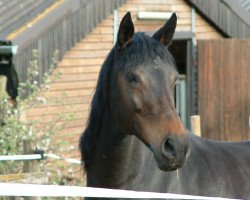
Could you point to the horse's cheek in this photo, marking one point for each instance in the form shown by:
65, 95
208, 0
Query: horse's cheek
122, 109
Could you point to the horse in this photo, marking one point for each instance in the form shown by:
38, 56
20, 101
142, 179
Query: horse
134, 139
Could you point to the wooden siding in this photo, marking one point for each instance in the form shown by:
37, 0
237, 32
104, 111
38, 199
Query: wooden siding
224, 89
203, 30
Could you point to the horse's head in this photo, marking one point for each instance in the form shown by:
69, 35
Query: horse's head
141, 94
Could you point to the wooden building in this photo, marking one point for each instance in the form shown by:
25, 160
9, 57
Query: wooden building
209, 47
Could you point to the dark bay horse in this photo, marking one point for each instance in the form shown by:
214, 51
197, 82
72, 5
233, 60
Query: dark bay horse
134, 138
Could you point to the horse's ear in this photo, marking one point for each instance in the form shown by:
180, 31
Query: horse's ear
126, 31
166, 33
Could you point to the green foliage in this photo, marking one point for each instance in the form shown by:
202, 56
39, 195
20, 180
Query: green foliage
15, 128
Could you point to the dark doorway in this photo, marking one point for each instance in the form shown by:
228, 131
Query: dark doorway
179, 49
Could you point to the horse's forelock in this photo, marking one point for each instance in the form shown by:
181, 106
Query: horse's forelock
141, 50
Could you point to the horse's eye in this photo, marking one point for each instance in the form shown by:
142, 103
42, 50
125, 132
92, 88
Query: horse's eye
130, 78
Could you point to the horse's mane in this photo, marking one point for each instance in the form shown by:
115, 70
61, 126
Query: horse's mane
99, 101
135, 53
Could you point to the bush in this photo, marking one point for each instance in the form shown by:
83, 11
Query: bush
15, 128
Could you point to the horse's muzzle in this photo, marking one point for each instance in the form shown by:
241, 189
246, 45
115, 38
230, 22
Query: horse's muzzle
173, 152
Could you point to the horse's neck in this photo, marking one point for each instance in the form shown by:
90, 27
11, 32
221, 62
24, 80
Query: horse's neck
117, 159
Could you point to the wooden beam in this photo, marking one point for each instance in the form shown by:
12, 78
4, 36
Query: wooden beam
195, 123
3, 81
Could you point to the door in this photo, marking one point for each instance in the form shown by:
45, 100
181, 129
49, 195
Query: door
224, 88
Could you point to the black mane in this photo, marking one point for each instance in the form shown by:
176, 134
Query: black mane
99, 101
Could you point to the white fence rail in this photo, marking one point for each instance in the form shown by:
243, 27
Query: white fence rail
38, 157
10, 189
21, 157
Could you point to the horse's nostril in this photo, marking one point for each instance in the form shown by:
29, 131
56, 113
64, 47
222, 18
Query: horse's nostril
168, 149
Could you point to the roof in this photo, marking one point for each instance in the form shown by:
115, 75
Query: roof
16, 13
231, 17
57, 29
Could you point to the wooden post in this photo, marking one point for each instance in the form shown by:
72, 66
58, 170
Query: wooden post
30, 166
3, 81
195, 123
33, 165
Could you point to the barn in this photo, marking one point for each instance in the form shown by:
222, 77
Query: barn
211, 47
